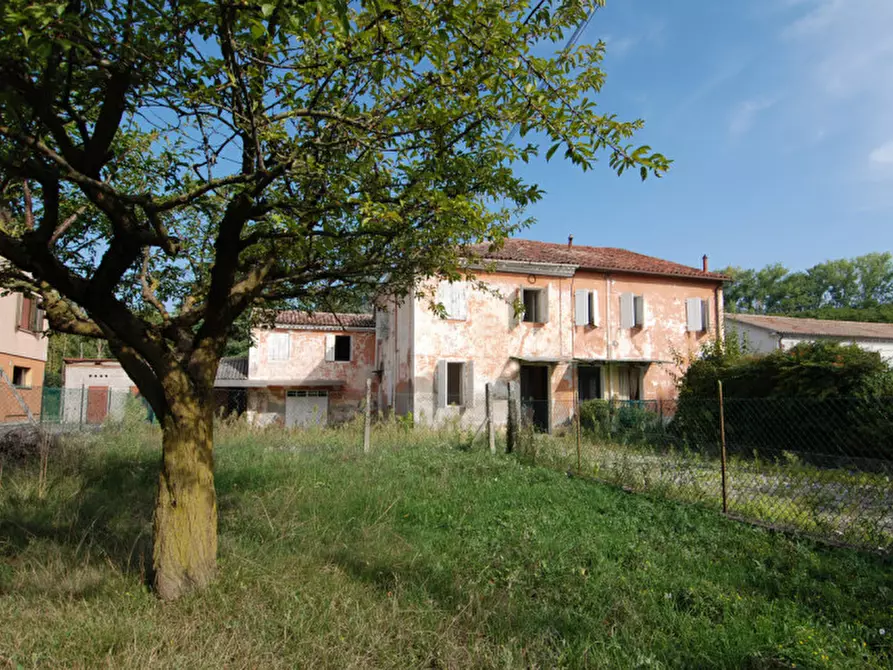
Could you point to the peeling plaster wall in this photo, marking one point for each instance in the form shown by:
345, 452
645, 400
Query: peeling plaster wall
664, 337
490, 337
307, 364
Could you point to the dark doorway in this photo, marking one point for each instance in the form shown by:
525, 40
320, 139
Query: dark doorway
535, 396
589, 383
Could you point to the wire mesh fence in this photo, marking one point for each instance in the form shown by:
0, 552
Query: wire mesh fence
823, 467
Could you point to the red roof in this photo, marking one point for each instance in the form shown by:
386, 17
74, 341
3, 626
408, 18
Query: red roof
324, 319
591, 258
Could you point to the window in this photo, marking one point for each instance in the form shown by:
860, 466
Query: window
338, 348
452, 297
455, 383
342, 347
536, 305
30, 314
21, 377
697, 315
589, 383
586, 308
632, 310
278, 346
307, 394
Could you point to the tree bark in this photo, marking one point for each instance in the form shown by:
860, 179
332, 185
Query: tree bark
185, 543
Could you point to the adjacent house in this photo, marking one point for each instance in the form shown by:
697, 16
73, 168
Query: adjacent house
565, 321
23, 355
764, 334
93, 389
305, 369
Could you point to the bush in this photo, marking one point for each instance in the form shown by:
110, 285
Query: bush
595, 417
816, 398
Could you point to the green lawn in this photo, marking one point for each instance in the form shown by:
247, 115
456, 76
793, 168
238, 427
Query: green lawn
418, 555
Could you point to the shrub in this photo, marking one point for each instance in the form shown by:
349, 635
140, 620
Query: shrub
595, 417
816, 398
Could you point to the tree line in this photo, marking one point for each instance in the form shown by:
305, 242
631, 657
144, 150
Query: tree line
856, 289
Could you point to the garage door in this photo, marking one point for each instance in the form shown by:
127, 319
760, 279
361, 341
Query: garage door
306, 408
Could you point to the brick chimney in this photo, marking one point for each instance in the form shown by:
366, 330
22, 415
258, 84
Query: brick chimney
704, 261
570, 241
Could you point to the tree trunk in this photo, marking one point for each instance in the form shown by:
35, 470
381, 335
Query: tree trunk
185, 551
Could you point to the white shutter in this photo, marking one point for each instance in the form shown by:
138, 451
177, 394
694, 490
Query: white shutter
639, 306
459, 309
277, 347
441, 383
330, 347
705, 314
544, 305
581, 308
627, 315
443, 296
513, 298
693, 314
468, 369
593, 308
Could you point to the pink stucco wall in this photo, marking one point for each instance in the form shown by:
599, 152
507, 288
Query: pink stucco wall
307, 367
19, 342
494, 341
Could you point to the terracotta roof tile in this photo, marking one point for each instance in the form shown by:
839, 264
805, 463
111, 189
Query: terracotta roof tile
591, 258
324, 319
790, 325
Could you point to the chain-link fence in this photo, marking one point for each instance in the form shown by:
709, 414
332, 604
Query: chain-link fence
823, 467
70, 408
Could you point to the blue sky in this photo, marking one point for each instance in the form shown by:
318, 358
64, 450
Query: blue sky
778, 115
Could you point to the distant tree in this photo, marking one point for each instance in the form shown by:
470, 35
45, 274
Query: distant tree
168, 166
858, 288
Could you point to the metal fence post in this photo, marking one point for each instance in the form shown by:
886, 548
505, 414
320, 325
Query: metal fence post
367, 419
81, 415
577, 431
491, 428
513, 419
722, 437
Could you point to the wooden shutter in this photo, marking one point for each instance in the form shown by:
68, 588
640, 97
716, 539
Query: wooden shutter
593, 308
705, 315
581, 307
440, 382
459, 308
468, 369
544, 305
20, 304
693, 317
627, 313
513, 298
330, 347
37, 325
639, 306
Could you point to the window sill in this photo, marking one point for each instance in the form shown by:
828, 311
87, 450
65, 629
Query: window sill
22, 388
535, 324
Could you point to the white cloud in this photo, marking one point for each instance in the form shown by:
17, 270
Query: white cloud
746, 114
883, 154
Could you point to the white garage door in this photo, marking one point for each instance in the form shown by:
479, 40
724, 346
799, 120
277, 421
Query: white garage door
306, 408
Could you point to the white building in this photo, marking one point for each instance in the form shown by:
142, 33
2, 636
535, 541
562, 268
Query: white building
764, 334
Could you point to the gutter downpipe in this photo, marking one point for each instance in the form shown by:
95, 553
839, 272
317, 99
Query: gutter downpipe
608, 348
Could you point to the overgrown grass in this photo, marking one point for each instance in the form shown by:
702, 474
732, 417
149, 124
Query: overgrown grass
417, 555
835, 504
